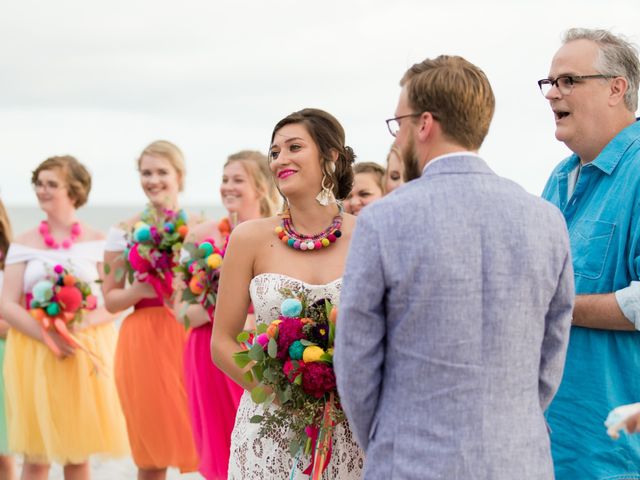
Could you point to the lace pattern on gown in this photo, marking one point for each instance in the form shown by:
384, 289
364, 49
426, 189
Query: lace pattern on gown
257, 458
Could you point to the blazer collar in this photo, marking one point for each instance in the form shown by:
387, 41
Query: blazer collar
463, 163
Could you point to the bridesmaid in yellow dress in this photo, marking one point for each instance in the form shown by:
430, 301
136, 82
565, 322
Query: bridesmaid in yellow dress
58, 409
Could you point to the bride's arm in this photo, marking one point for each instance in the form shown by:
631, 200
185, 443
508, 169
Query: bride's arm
233, 301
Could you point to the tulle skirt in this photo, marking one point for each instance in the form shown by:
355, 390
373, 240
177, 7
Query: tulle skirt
61, 410
213, 401
149, 369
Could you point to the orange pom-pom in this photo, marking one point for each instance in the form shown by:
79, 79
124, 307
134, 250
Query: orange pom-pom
183, 230
37, 313
196, 285
69, 280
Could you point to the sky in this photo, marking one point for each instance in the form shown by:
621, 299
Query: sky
101, 80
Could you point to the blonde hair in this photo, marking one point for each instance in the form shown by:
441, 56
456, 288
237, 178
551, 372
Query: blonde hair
375, 169
257, 167
5, 234
394, 151
76, 177
168, 150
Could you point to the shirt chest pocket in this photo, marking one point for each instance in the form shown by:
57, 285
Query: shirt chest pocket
590, 243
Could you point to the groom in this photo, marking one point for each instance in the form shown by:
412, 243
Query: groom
457, 300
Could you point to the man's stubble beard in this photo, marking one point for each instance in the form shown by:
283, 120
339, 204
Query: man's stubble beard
410, 161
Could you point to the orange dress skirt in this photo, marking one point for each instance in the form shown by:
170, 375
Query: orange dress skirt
149, 371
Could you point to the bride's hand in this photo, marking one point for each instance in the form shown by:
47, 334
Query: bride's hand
143, 289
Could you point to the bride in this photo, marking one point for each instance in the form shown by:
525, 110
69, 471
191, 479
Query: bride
312, 167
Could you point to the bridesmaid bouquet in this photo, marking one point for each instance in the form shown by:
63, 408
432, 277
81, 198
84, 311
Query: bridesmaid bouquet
200, 269
57, 303
153, 245
292, 361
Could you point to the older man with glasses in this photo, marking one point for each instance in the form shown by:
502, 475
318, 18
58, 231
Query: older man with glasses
593, 92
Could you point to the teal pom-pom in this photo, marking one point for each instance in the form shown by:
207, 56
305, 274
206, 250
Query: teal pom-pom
168, 227
42, 291
295, 350
34, 303
53, 309
142, 234
207, 248
291, 307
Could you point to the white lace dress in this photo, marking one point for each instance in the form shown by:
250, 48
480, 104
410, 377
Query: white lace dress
265, 458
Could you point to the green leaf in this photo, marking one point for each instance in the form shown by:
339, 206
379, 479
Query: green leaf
328, 306
248, 376
258, 395
272, 348
298, 380
325, 357
258, 372
187, 322
332, 333
285, 395
307, 343
256, 353
242, 359
261, 328
242, 337
256, 419
107, 268
191, 248
119, 274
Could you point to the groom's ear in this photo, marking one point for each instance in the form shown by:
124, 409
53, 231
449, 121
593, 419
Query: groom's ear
425, 126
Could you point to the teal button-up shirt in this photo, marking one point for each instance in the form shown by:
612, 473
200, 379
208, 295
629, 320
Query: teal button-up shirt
602, 369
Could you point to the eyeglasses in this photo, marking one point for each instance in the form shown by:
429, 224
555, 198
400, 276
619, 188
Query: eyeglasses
565, 83
394, 125
48, 185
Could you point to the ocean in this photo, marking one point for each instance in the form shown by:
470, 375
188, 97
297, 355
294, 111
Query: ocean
100, 217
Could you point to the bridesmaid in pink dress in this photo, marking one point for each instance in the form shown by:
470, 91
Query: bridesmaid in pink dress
247, 192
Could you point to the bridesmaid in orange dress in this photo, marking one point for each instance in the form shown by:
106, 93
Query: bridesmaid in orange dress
149, 368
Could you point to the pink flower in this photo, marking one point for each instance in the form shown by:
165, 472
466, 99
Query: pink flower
318, 378
290, 371
263, 339
289, 331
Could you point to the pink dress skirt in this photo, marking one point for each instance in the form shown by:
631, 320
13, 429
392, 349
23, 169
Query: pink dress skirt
213, 400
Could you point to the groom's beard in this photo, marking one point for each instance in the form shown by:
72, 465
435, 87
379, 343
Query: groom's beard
410, 161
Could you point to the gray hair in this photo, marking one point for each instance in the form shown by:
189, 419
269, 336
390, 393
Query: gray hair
617, 57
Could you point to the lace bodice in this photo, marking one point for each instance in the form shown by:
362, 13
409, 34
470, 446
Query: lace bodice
267, 457
266, 297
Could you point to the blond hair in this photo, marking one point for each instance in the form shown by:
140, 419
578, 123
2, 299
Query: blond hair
168, 150
257, 167
373, 168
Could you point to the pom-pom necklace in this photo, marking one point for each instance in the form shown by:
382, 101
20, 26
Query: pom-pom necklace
290, 237
50, 242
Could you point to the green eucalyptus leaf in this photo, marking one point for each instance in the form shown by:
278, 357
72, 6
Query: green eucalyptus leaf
107, 269
258, 395
242, 337
256, 353
262, 328
256, 419
248, 376
272, 348
241, 358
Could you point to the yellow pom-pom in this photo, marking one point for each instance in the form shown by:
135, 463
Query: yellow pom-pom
214, 261
140, 224
279, 229
312, 354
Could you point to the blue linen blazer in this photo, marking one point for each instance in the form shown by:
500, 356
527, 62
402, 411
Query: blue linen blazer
453, 327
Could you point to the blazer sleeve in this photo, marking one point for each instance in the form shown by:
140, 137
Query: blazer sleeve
361, 329
557, 329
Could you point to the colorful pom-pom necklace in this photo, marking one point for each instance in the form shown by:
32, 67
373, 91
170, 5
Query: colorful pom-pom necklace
289, 236
50, 242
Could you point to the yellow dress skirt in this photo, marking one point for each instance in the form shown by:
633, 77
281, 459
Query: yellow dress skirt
61, 410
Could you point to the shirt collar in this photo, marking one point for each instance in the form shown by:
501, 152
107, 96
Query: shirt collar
447, 155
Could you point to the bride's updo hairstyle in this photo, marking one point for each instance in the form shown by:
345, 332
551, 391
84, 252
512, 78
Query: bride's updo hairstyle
328, 135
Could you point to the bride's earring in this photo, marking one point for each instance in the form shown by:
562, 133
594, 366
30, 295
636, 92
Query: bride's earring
326, 196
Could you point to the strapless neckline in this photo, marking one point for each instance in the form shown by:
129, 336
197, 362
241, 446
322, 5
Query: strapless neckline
265, 274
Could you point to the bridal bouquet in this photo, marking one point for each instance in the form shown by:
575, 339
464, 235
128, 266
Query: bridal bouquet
200, 270
292, 361
58, 303
153, 245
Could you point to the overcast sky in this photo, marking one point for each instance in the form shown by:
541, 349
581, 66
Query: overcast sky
101, 80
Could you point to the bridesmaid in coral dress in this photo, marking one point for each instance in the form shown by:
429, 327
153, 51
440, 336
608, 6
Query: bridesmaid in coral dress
247, 192
149, 360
